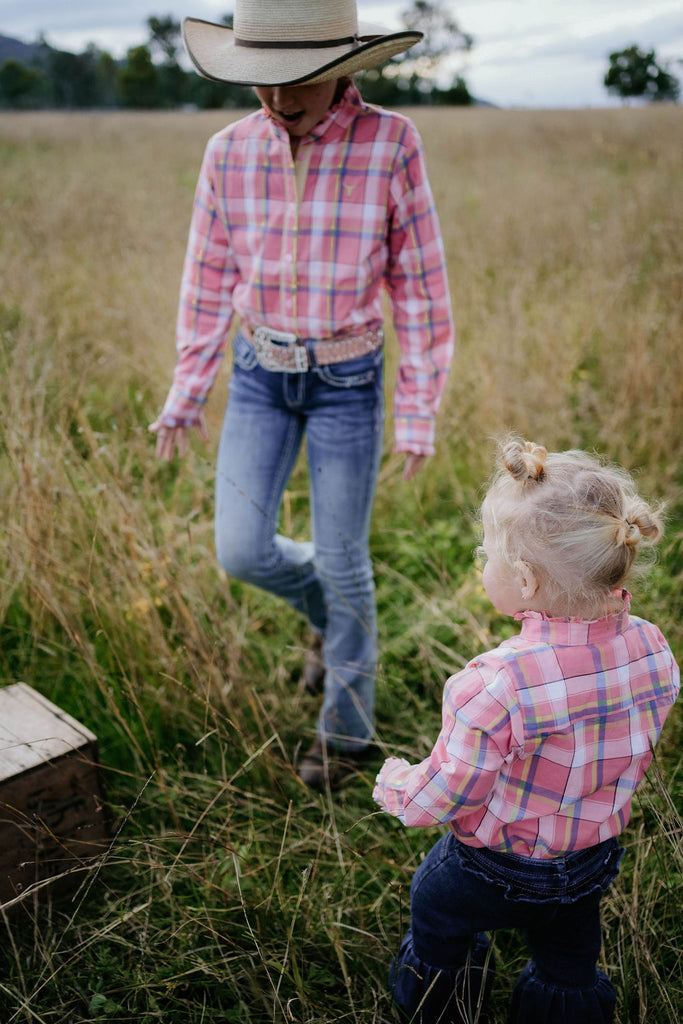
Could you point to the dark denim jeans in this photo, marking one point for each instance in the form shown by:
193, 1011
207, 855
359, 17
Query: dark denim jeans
445, 967
340, 411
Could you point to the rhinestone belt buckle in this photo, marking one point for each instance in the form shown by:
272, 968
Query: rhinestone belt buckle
278, 351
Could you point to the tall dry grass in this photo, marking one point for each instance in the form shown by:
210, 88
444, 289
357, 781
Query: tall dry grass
557, 227
230, 892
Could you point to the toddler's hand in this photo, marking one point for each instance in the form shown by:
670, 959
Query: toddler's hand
390, 763
383, 793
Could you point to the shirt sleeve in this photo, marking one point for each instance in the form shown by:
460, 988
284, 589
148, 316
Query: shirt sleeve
205, 308
417, 284
461, 772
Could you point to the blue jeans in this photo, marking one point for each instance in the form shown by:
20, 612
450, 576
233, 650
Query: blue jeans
340, 410
445, 967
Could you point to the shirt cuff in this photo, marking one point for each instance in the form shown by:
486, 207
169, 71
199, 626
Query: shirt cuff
414, 434
181, 411
389, 786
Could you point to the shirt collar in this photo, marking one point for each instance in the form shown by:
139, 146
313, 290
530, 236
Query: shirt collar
336, 120
342, 113
573, 632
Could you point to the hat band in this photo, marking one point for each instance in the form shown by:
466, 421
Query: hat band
296, 44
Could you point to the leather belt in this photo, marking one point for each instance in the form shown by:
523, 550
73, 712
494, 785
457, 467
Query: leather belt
286, 353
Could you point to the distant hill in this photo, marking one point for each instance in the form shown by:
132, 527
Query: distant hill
14, 49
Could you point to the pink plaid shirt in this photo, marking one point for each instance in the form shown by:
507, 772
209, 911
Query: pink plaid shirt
544, 739
308, 246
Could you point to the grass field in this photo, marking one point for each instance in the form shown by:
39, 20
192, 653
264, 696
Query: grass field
230, 892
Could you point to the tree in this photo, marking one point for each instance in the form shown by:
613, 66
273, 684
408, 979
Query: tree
634, 73
165, 36
19, 84
410, 77
455, 95
442, 36
73, 78
165, 41
139, 79
107, 73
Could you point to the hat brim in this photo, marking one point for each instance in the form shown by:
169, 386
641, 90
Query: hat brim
212, 50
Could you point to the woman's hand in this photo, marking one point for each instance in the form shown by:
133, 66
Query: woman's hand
170, 438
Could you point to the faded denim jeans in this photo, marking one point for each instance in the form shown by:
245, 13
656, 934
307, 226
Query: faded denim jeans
339, 409
445, 967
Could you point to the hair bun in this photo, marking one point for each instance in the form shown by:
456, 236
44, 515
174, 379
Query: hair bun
629, 533
525, 460
643, 524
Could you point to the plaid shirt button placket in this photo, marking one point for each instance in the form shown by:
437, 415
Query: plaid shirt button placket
315, 264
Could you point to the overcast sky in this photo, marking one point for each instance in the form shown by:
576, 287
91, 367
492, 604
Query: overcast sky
542, 53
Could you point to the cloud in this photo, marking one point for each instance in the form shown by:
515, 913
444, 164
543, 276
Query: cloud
79, 16
558, 60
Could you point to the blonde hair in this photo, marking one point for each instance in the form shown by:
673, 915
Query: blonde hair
578, 522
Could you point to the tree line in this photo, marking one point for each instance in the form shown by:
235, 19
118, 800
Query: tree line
57, 79
152, 77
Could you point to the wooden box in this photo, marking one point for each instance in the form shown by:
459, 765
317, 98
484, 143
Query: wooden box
52, 816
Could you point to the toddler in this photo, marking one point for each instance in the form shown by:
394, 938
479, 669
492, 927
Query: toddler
543, 743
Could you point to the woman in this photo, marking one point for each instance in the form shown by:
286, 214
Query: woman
306, 212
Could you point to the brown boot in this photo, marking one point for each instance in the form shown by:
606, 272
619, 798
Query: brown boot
314, 667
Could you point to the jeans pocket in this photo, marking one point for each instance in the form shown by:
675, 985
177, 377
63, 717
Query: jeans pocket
243, 354
353, 373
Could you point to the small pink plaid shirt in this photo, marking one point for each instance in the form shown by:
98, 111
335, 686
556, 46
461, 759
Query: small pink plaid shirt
308, 246
544, 739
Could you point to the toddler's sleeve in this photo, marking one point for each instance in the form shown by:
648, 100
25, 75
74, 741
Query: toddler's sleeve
389, 786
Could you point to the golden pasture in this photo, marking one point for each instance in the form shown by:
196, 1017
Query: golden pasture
563, 234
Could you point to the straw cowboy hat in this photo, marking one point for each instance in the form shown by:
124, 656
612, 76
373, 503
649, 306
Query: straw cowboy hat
290, 42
